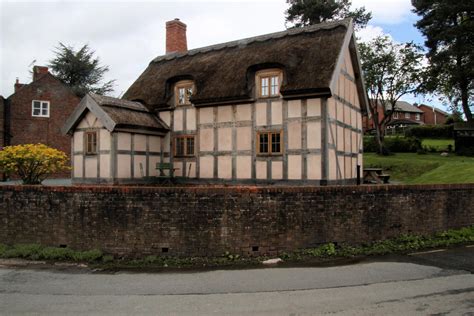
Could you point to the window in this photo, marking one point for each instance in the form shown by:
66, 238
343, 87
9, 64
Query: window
269, 142
268, 83
40, 108
183, 92
184, 146
407, 115
395, 115
91, 143
417, 116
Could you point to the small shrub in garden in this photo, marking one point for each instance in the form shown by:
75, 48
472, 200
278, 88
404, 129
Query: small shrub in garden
32, 162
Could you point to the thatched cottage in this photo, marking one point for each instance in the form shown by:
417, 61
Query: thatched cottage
281, 107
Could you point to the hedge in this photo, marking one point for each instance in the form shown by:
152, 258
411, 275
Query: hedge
430, 131
393, 144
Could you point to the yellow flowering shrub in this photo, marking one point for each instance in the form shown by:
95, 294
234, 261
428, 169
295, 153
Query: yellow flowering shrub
32, 162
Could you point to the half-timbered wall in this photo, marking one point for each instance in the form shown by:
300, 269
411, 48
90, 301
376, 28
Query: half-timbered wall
226, 140
121, 156
344, 126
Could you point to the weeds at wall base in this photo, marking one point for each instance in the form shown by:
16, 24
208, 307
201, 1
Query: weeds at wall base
96, 258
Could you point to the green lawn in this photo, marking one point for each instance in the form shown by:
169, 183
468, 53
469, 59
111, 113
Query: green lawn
439, 144
421, 169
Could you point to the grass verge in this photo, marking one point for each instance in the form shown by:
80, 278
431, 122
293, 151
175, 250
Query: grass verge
412, 168
402, 244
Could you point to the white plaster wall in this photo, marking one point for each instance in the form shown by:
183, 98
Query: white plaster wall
244, 138
294, 135
105, 139
104, 165
191, 119
243, 112
224, 167
166, 117
190, 169
224, 139
294, 108
139, 142
206, 115
261, 114
277, 170
89, 121
313, 167
178, 120
91, 166
261, 169
277, 113
313, 107
123, 166
77, 172
124, 141
224, 114
206, 139
313, 137
244, 167
137, 160
79, 141
294, 167
153, 160
206, 167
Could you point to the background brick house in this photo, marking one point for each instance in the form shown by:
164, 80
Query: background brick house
36, 112
432, 115
404, 115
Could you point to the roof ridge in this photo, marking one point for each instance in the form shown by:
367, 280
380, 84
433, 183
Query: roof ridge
104, 100
259, 38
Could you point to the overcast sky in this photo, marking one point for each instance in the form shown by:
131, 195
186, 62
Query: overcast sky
127, 35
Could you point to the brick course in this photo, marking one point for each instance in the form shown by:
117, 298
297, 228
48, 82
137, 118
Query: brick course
137, 221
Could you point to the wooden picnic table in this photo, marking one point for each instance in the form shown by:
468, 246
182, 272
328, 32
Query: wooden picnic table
375, 175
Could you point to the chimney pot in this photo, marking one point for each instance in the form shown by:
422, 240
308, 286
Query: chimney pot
176, 36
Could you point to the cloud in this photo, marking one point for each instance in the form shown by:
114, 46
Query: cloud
386, 11
126, 36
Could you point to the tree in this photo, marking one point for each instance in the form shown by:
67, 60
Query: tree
449, 30
80, 70
307, 12
32, 162
391, 71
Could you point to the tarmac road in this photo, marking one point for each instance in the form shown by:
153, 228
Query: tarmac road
423, 283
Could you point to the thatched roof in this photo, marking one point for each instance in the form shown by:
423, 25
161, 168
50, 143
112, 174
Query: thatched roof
117, 114
225, 72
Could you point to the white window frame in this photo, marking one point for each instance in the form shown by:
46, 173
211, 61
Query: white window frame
407, 115
417, 116
42, 103
395, 115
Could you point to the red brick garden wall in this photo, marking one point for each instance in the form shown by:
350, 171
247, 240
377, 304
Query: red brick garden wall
136, 221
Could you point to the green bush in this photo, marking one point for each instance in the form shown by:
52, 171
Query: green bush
53, 253
430, 131
393, 144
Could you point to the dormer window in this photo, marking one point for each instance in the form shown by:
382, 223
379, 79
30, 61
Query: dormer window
183, 92
268, 83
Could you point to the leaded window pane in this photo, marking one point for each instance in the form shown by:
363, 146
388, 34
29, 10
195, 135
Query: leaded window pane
264, 143
276, 147
190, 146
264, 84
274, 85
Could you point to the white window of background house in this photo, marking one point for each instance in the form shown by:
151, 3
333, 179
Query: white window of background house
417, 116
407, 115
40, 108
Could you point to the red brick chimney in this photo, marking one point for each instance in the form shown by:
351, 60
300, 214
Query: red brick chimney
18, 85
38, 71
176, 36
